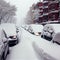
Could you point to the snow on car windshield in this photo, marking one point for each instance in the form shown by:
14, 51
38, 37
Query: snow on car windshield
9, 28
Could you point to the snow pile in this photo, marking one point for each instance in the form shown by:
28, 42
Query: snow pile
50, 50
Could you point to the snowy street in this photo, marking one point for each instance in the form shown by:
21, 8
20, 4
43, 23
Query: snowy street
30, 30
24, 50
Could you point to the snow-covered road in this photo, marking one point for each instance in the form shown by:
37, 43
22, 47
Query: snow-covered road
24, 50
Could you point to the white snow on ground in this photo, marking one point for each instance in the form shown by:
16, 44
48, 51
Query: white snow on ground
24, 50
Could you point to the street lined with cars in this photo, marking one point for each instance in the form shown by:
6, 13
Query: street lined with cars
23, 50
35, 48
35, 29
22, 44
48, 47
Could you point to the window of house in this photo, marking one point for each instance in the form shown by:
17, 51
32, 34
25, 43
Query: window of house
59, 14
59, 4
53, 17
45, 4
45, 18
54, 7
45, 10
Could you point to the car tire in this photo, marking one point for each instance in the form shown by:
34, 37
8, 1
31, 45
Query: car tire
42, 36
3, 57
8, 51
17, 40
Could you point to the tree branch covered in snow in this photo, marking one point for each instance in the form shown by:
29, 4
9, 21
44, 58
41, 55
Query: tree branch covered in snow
6, 11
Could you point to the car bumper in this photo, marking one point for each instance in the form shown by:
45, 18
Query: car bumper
13, 42
48, 38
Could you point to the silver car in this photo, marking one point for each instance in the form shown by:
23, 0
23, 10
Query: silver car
11, 32
35, 29
4, 46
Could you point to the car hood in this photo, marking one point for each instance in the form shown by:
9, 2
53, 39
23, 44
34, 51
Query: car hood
10, 29
37, 28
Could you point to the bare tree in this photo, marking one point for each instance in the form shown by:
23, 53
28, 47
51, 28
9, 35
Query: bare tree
6, 11
29, 16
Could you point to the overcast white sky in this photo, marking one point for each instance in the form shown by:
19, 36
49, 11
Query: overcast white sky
22, 8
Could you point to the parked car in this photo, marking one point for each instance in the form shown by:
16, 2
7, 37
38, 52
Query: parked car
50, 30
56, 38
17, 29
47, 50
4, 46
35, 29
12, 35
25, 27
47, 32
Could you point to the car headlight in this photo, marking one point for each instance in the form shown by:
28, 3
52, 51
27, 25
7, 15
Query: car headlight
14, 36
36, 33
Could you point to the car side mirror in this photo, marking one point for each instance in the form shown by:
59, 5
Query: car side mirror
4, 40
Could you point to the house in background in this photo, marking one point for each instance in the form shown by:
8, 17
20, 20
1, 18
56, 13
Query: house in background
48, 10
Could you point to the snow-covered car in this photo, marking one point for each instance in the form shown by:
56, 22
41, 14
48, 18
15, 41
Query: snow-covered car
56, 38
35, 29
47, 32
47, 50
4, 46
12, 35
25, 27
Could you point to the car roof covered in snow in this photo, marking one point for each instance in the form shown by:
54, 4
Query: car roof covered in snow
37, 27
56, 27
9, 28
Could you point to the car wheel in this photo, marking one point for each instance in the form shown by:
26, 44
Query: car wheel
17, 40
3, 57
